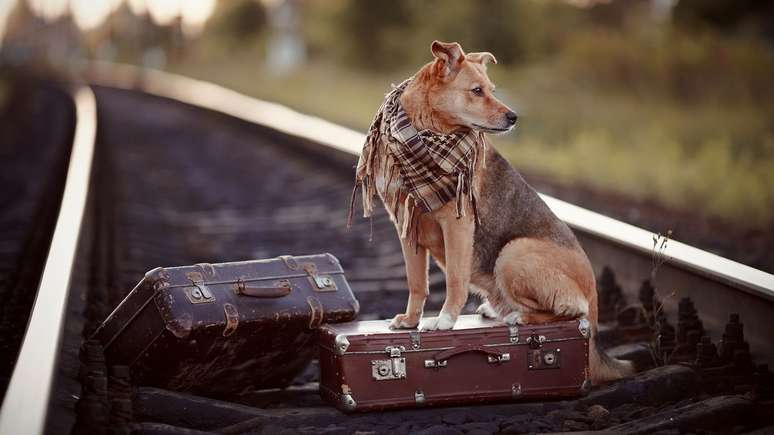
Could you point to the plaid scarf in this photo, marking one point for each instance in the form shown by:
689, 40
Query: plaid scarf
432, 168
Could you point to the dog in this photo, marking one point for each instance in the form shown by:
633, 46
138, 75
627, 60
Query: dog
504, 244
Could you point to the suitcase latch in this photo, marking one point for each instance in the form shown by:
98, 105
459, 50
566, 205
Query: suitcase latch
393, 368
416, 339
536, 341
321, 283
541, 359
199, 293
324, 283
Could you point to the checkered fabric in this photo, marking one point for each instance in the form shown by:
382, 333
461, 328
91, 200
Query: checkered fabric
433, 168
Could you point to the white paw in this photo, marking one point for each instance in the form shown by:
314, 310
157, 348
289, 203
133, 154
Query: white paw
514, 318
443, 322
486, 310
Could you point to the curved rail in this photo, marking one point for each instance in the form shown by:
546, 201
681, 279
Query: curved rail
26, 401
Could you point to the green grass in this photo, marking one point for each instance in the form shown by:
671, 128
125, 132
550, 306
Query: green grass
715, 156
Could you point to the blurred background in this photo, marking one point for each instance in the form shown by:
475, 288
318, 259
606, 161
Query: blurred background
666, 104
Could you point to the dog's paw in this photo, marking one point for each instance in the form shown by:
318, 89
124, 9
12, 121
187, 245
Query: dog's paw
443, 322
514, 318
428, 324
486, 310
404, 321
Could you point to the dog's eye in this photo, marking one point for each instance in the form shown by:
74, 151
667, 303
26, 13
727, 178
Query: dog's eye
477, 90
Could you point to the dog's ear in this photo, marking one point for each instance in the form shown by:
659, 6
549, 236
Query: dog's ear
449, 57
483, 58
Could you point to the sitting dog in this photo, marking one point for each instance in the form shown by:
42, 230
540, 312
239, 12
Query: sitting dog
455, 197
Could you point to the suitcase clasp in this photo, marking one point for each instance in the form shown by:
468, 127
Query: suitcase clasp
324, 283
320, 283
536, 341
199, 293
416, 339
541, 359
393, 368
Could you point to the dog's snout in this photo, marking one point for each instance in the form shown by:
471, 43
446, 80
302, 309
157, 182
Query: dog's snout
511, 117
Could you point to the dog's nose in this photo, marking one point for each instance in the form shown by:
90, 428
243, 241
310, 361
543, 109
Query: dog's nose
511, 116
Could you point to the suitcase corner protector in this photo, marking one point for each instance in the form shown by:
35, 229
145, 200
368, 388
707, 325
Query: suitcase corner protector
347, 403
584, 326
342, 344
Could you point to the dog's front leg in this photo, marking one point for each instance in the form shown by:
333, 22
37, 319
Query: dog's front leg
416, 274
458, 253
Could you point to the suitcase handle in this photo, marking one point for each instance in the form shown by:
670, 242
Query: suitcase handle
278, 290
493, 356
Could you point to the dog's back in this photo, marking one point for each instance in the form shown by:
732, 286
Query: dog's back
509, 208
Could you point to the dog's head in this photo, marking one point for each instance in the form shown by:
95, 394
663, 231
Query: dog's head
459, 91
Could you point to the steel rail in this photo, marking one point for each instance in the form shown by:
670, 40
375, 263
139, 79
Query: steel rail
704, 276
26, 401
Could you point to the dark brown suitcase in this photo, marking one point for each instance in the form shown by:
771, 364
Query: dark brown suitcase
221, 329
366, 366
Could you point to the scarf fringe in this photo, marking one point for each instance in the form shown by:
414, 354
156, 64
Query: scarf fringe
352, 205
461, 186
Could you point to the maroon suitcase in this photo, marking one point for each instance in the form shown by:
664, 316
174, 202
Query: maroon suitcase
366, 366
221, 329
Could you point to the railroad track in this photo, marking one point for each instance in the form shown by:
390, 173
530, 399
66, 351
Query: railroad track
36, 127
186, 172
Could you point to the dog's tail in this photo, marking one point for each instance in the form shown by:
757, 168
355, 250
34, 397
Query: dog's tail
603, 367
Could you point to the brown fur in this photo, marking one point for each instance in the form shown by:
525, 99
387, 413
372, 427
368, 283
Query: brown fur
521, 259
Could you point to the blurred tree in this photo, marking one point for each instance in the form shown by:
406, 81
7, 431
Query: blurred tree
33, 40
380, 35
237, 20
373, 33
501, 27
728, 15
